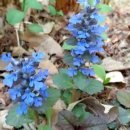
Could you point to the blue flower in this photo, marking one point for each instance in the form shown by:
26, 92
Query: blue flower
6, 57
38, 102
10, 79
42, 74
26, 82
76, 19
72, 72
28, 97
36, 81
86, 3
38, 56
28, 67
14, 93
10, 67
78, 50
100, 18
78, 61
22, 108
95, 59
86, 28
87, 71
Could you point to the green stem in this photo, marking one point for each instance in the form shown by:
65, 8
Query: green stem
49, 116
37, 121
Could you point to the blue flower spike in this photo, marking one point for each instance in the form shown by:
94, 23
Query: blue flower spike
86, 28
26, 82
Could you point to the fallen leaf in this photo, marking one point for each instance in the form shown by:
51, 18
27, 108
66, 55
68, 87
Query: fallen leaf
67, 120
50, 46
3, 124
112, 114
48, 27
43, 43
4, 99
19, 51
46, 64
112, 65
107, 108
72, 105
123, 44
59, 105
95, 123
2, 65
100, 121
115, 77
123, 128
1, 85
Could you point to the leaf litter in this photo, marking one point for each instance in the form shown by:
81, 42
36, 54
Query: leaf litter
117, 47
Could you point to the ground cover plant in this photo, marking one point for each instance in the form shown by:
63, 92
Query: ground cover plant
73, 97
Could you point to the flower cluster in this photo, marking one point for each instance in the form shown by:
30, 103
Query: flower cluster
26, 85
86, 28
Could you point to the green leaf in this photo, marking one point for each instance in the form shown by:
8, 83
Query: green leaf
48, 114
60, 13
70, 43
34, 4
80, 82
53, 96
80, 113
62, 80
91, 2
52, 10
94, 86
112, 125
14, 16
91, 86
32, 114
67, 46
68, 59
104, 8
44, 127
124, 98
100, 71
106, 81
67, 97
124, 116
16, 120
35, 28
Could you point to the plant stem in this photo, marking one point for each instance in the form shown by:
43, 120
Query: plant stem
36, 117
17, 36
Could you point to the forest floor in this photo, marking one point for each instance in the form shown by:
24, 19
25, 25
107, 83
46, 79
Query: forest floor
115, 59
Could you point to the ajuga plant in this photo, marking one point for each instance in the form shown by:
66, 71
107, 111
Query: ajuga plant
87, 30
25, 83
77, 80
